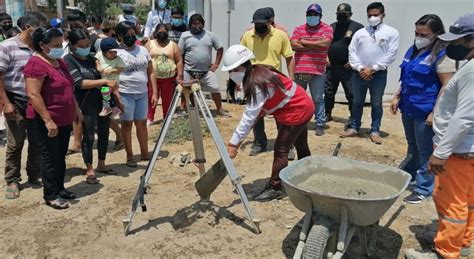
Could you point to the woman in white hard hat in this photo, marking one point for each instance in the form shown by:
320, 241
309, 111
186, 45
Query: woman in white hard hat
267, 91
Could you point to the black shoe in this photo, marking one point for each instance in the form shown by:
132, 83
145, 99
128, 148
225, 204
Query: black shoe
256, 149
271, 193
329, 118
415, 198
65, 194
35, 182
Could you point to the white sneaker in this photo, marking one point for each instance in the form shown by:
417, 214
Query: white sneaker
149, 122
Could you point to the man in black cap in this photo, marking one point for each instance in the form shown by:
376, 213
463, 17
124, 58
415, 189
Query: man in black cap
269, 45
452, 161
338, 69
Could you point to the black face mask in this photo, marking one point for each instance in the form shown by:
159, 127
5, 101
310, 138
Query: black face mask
6, 27
162, 36
129, 40
195, 30
342, 18
261, 28
457, 52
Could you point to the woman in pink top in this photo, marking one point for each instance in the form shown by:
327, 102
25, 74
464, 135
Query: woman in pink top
52, 108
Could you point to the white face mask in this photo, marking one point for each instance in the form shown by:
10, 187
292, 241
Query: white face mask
237, 77
421, 43
374, 20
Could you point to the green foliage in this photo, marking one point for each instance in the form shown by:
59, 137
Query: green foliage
98, 7
113, 10
141, 12
178, 3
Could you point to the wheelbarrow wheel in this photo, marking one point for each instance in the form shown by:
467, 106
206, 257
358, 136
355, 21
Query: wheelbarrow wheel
316, 242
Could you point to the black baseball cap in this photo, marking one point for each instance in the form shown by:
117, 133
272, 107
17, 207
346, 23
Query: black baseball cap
344, 8
463, 26
108, 44
262, 15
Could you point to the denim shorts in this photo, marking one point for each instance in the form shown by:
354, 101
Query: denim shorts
135, 106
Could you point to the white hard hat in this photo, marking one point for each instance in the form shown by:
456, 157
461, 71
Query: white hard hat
235, 56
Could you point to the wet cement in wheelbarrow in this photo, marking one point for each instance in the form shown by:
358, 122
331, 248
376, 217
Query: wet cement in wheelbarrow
349, 187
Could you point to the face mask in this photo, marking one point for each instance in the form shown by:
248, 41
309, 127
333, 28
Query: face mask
342, 18
261, 28
195, 30
129, 40
162, 36
55, 53
6, 27
374, 20
237, 77
83, 52
162, 4
457, 52
176, 22
421, 43
313, 20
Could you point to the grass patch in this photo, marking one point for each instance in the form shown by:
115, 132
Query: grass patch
180, 131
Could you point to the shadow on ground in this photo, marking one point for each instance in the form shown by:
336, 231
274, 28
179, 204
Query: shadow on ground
200, 210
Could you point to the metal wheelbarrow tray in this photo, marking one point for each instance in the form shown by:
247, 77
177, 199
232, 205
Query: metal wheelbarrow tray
350, 208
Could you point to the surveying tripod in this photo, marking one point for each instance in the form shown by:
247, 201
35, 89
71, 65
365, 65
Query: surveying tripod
195, 102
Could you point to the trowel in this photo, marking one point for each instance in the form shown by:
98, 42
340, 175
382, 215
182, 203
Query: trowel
209, 181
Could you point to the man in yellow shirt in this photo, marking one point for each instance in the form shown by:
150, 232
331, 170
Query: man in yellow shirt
269, 45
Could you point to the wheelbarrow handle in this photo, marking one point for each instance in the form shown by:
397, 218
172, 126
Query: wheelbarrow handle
336, 150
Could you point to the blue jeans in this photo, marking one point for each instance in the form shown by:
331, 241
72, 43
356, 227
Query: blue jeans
376, 87
316, 87
420, 145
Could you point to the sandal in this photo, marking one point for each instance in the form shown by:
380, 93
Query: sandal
131, 162
12, 192
92, 179
58, 204
108, 171
72, 151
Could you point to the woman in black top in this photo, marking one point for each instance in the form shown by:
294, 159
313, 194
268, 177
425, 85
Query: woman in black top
87, 83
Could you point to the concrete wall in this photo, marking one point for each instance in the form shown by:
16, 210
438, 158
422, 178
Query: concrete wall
400, 14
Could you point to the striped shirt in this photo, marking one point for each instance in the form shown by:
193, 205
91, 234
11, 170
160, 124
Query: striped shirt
14, 55
312, 61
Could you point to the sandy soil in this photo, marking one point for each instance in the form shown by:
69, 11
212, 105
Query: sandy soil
178, 225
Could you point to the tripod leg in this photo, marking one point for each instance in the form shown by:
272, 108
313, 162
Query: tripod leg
231, 171
196, 132
138, 199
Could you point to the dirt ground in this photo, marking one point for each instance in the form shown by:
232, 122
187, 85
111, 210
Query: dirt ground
178, 225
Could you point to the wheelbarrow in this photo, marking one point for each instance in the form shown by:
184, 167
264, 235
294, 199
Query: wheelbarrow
332, 216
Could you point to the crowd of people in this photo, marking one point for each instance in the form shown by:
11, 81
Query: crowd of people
87, 75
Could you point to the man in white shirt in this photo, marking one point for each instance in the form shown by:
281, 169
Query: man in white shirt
160, 15
371, 51
452, 161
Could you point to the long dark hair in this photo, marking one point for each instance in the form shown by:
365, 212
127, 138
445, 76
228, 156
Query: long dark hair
76, 35
436, 26
158, 27
122, 28
260, 76
45, 36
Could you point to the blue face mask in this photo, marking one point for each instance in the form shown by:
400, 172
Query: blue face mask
55, 53
176, 22
313, 20
83, 52
162, 4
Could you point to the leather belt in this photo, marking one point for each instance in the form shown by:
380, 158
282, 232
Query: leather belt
466, 156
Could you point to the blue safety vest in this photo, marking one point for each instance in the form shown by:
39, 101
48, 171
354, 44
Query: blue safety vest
420, 84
